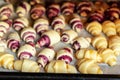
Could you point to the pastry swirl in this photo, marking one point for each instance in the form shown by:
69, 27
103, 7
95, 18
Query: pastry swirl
41, 25
65, 54
81, 42
45, 56
68, 35
23, 8
37, 11
26, 51
13, 41
20, 23
48, 38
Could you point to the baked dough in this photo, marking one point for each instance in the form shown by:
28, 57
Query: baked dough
37, 11
89, 54
26, 65
84, 8
114, 44
88, 66
59, 66
109, 28
94, 28
53, 10
108, 56
117, 24
6, 60
67, 8
99, 42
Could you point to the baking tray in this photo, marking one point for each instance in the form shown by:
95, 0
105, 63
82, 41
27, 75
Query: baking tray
108, 75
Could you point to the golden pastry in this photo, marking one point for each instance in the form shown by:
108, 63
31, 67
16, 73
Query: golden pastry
89, 54
109, 28
94, 27
26, 66
6, 60
88, 66
99, 42
114, 44
108, 56
117, 23
59, 66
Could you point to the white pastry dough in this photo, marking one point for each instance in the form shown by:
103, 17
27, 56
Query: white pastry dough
109, 28
99, 42
95, 28
89, 54
13, 41
76, 23
48, 38
3, 28
65, 54
6, 60
68, 35
6, 11
28, 34
26, 66
81, 42
23, 9
88, 66
58, 23
3, 45
114, 44
26, 51
59, 66
108, 56
41, 25
45, 56
20, 23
